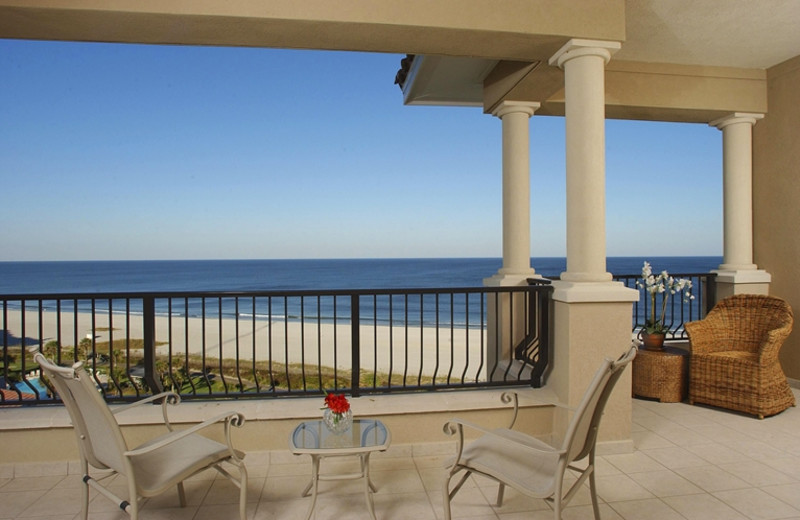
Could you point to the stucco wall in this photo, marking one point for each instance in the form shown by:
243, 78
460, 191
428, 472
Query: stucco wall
44, 434
776, 192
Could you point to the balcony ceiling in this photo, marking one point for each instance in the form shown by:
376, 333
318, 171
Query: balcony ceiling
720, 33
458, 44
723, 33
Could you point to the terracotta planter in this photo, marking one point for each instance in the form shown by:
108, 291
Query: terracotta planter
653, 341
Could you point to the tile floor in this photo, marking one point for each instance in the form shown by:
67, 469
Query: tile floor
691, 462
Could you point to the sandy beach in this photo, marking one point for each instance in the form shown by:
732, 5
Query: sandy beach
412, 350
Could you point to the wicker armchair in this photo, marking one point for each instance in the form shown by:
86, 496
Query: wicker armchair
734, 362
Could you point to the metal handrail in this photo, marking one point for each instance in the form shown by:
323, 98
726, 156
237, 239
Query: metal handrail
223, 344
679, 312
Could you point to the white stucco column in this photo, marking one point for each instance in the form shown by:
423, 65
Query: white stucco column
516, 186
515, 116
737, 184
737, 269
584, 64
591, 313
505, 315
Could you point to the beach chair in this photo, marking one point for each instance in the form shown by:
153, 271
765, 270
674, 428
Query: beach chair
528, 465
153, 467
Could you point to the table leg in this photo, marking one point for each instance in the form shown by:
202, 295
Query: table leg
369, 487
314, 484
365, 471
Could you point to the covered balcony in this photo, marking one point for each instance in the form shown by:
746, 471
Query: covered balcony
398, 352
733, 65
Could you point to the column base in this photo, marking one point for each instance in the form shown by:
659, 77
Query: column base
737, 267
742, 275
744, 281
570, 276
505, 279
591, 321
584, 292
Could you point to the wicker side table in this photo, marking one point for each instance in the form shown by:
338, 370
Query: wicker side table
661, 374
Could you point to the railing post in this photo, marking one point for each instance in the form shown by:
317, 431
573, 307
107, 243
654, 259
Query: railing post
5, 360
355, 342
710, 294
149, 346
534, 349
545, 326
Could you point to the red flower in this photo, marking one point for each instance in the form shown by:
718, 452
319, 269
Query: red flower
337, 403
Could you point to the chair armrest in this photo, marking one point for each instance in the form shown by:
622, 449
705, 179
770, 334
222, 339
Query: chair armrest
163, 395
167, 398
510, 396
558, 405
702, 336
229, 419
507, 397
771, 345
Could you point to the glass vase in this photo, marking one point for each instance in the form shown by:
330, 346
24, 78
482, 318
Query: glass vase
337, 422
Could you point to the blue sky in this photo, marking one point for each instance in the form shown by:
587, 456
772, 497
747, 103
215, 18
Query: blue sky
153, 152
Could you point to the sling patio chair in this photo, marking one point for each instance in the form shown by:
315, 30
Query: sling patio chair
153, 467
528, 465
734, 361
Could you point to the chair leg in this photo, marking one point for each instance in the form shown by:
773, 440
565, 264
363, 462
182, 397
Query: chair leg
85, 491
500, 492
593, 492
181, 494
446, 497
447, 494
133, 501
242, 493
557, 494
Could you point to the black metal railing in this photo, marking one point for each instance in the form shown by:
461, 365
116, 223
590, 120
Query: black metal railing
679, 311
273, 344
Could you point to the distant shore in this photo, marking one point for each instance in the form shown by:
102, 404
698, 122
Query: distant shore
400, 349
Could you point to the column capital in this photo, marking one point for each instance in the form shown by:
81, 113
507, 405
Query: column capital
736, 117
577, 47
509, 107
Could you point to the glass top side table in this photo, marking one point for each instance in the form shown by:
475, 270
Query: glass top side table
362, 439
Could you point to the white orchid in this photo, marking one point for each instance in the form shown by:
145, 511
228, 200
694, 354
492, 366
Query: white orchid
661, 284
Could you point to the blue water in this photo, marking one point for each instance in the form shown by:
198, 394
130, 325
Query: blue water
262, 275
36, 383
31, 278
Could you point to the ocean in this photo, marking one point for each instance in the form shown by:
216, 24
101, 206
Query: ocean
29, 279
18, 278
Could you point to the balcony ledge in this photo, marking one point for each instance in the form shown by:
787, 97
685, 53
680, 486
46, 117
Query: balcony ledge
38, 417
